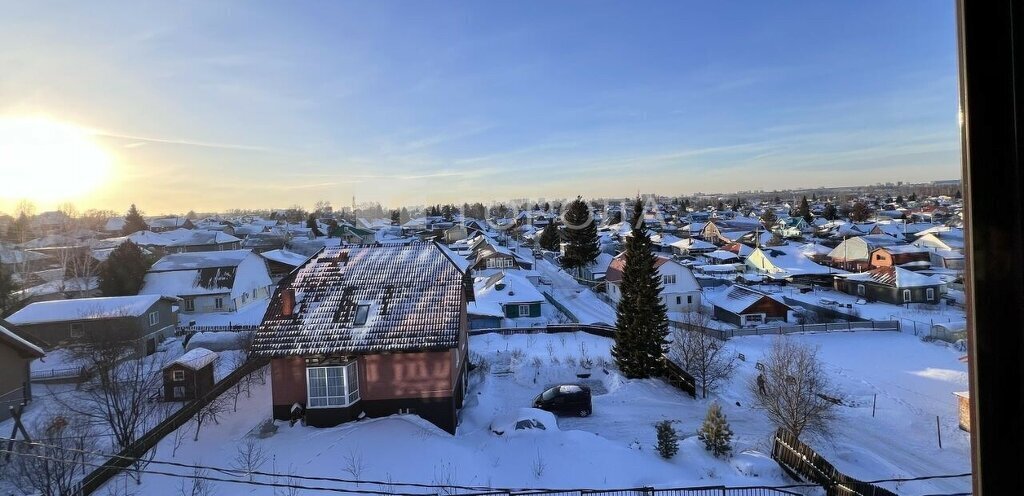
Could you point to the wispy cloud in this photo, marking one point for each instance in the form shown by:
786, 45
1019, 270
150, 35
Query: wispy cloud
142, 140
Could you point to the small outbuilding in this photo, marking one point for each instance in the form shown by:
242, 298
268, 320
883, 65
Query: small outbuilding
190, 376
744, 306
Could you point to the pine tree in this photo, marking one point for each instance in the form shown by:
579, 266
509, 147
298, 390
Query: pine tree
830, 212
403, 216
133, 221
580, 235
715, 432
668, 439
641, 326
860, 212
913, 197
768, 218
899, 199
312, 224
957, 195
123, 271
549, 239
7, 288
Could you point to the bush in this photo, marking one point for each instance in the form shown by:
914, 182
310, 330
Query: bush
668, 440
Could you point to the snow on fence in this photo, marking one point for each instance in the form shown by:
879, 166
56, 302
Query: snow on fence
803, 463
56, 374
723, 334
187, 330
595, 329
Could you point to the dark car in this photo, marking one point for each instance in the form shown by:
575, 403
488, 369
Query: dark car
570, 399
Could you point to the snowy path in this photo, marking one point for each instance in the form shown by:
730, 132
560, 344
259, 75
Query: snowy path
580, 300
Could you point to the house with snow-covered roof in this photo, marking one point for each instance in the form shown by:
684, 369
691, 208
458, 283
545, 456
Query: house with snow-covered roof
507, 294
144, 320
680, 290
189, 376
745, 306
786, 262
906, 256
16, 355
204, 241
894, 285
369, 331
855, 253
210, 281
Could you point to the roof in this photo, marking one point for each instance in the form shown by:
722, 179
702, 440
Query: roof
902, 249
85, 309
205, 238
618, 266
196, 358
895, 277
200, 260
505, 288
25, 348
738, 298
789, 260
12, 256
415, 296
285, 257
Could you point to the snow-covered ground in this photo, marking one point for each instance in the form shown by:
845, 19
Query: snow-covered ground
252, 314
581, 301
614, 447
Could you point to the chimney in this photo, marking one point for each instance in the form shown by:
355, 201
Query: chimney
287, 302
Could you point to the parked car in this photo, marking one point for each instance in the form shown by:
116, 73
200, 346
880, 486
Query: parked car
569, 399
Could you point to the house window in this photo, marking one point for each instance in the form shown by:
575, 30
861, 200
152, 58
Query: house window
218, 303
878, 256
679, 300
670, 279
190, 304
177, 375
524, 310
362, 312
508, 262
245, 296
860, 290
178, 392
906, 296
930, 294
254, 294
77, 329
490, 263
154, 318
689, 299
332, 386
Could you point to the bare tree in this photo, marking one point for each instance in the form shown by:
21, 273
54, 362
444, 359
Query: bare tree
197, 486
120, 394
52, 465
210, 412
701, 355
354, 464
249, 458
793, 388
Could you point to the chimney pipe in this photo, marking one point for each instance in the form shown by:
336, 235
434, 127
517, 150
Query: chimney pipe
287, 302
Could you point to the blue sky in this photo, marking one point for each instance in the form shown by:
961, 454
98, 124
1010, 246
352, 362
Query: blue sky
214, 105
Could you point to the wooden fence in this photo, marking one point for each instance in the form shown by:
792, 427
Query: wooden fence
723, 334
188, 330
803, 463
98, 477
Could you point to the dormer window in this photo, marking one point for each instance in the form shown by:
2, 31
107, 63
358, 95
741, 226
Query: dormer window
362, 312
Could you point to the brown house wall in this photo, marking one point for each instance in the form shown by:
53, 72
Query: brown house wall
406, 375
288, 381
771, 308
196, 382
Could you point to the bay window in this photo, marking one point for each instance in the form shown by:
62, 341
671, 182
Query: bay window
332, 386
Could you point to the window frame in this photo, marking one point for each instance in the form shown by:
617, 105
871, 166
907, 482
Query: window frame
189, 304
154, 318
177, 375
80, 332
350, 393
521, 307
907, 296
362, 307
930, 294
218, 303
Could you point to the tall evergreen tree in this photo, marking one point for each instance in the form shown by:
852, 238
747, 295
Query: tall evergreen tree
133, 221
7, 289
768, 218
912, 197
580, 236
123, 271
830, 212
403, 216
641, 326
395, 217
715, 432
805, 210
549, 239
312, 224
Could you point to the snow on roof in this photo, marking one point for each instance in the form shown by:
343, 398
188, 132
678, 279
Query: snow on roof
903, 249
196, 238
788, 260
601, 263
721, 255
84, 309
618, 266
895, 277
738, 298
114, 224
505, 288
459, 260
196, 359
415, 296
8, 335
286, 257
12, 256
200, 260
693, 244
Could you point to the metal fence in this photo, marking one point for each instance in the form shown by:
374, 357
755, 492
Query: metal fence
65, 373
188, 330
723, 334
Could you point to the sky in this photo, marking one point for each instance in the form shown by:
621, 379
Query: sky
217, 105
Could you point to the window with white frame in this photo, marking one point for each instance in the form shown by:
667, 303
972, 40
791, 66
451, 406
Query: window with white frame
508, 262
930, 294
218, 303
177, 375
190, 304
860, 289
524, 310
362, 312
154, 318
77, 329
906, 296
670, 279
333, 386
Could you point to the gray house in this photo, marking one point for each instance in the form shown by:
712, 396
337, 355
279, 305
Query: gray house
16, 353
145, 319
892, 285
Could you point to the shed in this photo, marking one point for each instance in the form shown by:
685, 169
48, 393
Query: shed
190, 376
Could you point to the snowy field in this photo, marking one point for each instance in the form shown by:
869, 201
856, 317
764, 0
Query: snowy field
614, 447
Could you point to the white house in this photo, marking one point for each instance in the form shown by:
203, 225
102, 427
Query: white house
211, 281
784, 262
681, 291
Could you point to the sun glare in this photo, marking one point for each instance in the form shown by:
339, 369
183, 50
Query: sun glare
45, 160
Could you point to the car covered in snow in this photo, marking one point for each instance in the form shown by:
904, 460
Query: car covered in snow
525, 419
568, 399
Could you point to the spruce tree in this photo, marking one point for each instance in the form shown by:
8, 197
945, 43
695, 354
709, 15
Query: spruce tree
403, 216
768, 218
805, 210
7, 289
123, 271
715, 432
580, 235
641, 326
133, 221
830, 212
549, 239
668, 439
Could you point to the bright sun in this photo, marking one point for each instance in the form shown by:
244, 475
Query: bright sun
45, 160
